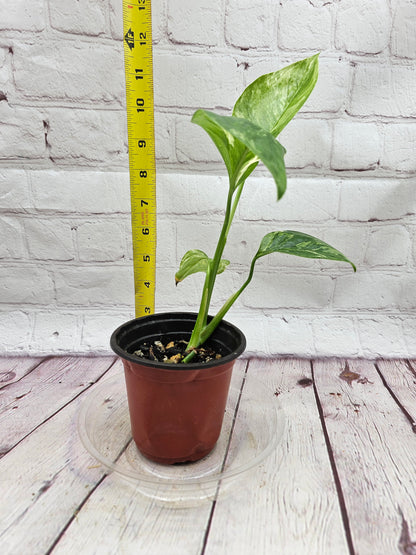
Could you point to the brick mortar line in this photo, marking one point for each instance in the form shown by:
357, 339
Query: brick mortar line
117, 105
53, 265
263, 313
212, 169
81, 218
339, 176
168, 47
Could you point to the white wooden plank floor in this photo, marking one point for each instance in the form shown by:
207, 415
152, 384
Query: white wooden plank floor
341, 481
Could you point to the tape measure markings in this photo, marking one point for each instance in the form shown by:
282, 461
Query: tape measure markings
137, 31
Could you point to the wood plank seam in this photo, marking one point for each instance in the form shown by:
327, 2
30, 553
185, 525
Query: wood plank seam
5, 451
209, 525
410, 366
214, 502
75, 513
374, 451
396, 400
41, 361
337, 480
94, 488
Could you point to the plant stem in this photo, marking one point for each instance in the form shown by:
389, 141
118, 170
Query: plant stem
235, 203
234, 194
201, 320
220, 248
188, 357
209, 328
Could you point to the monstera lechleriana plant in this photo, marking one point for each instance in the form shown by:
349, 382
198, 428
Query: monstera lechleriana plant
244, 139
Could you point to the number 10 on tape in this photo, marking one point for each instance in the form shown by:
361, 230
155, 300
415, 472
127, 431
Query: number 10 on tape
138, 62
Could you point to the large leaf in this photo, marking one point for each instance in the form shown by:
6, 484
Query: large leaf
289, 242
270, 103
273, 99
196, 261
299, 244
229, 147
257, 140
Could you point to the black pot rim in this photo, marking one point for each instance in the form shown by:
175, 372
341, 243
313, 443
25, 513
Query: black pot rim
178, 367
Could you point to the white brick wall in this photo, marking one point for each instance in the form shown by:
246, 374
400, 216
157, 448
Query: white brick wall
65, 250
362, 27
194, 22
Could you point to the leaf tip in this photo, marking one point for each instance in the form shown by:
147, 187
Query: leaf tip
196, 116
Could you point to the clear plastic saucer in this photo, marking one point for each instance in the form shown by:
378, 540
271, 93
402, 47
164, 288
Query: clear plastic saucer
253, 425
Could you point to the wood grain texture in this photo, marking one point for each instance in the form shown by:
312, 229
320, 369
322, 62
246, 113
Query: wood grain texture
51, 476
291, 504
375, 451
13, 369
400, 377
342, 480
43, 392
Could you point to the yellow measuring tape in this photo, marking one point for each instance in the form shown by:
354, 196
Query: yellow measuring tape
138, 62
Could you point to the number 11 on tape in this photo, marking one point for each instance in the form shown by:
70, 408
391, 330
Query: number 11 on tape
138, 63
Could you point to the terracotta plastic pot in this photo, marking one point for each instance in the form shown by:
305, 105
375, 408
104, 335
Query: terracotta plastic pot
176, 410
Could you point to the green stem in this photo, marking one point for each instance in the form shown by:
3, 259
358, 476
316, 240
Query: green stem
232, 202
189, 357
221, 245
201, 320
208, 329
235, 203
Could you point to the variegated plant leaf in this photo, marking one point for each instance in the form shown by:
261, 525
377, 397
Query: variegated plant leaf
195, 261
256, 140
272, 100
299, 244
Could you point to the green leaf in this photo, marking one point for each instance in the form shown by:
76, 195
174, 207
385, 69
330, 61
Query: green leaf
230, 148
272, 100
299, 244
269, 103
258, 141
196, 261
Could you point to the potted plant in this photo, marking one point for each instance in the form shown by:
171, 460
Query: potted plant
178, 365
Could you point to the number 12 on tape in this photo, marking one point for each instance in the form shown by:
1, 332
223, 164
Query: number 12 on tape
138, 63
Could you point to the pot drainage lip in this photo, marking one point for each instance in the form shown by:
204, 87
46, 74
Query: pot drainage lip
253, 426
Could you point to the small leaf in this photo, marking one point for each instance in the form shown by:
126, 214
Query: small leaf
260, 142
272, 100
196, 261
299, 244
